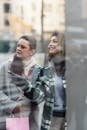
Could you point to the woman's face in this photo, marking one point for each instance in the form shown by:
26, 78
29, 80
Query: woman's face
53, 46
23, 49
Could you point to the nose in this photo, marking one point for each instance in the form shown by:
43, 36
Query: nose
18, 47
50, 44
51, 41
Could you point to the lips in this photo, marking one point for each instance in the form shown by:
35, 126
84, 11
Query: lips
51, 48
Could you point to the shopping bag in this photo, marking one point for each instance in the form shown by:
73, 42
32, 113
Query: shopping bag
17, 123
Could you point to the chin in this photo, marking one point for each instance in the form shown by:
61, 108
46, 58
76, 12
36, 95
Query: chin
18, 55
51, 55
51, 52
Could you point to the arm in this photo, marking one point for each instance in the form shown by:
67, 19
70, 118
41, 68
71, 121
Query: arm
6, 104
32, 89
48, 82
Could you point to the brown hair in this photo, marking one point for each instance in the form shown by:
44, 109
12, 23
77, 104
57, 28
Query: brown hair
17, 66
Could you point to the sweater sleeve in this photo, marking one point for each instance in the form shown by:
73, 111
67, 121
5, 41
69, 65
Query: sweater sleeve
6, 104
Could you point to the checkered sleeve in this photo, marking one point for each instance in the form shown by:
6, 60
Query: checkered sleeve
48, 108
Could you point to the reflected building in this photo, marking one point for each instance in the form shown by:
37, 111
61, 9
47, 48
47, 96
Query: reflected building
76, 66
5, 7
23, 16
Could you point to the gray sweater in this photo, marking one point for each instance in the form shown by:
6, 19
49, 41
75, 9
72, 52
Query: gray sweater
11, 95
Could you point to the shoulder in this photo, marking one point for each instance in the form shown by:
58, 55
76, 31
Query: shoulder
49, 69
38, 67
4, 66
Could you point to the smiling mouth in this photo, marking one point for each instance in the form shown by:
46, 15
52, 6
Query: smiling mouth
51, 48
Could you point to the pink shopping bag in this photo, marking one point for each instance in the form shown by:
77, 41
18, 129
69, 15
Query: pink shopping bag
17, 123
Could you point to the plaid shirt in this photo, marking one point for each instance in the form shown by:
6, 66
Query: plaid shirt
43, 89
49, 97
